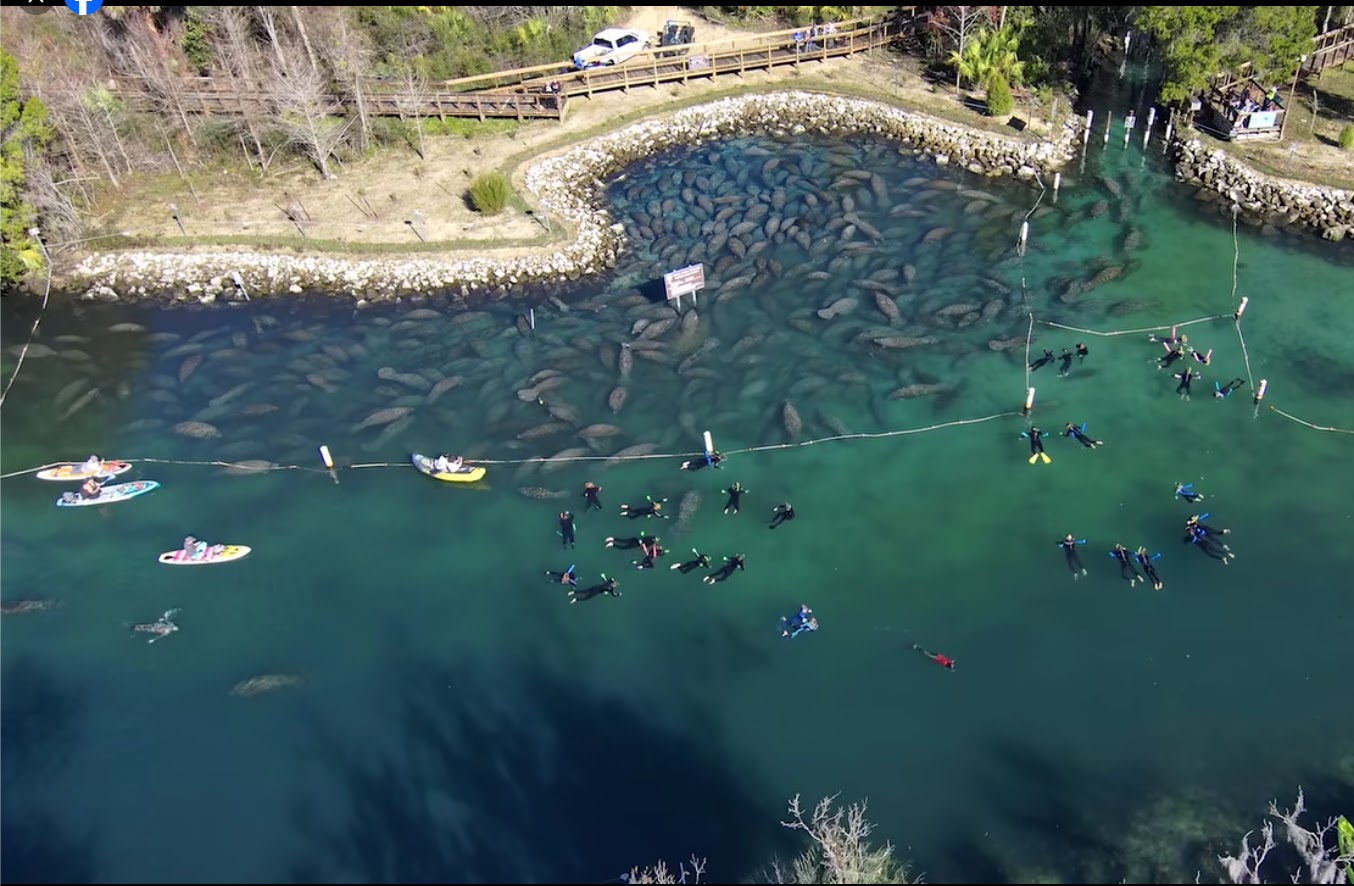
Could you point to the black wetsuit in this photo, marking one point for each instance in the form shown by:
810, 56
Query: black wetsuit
1069, 547
1076, 434
730, 565
1183, 492
562, 578
735, 498
702, 561
697, 463
1126, 568
1231, 386
1067, 362
588, 593
1146, 563
566, 528
624, 543
1171, 356
590, 499
1082, 351
652, 551
1047, 358
1185, 377
1206, 543
1036, 440
646, 510
784, 513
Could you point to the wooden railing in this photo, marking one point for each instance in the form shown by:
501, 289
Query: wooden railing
1330, 49
544, 91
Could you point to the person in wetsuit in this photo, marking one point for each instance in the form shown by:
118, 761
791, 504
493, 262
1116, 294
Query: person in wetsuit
1079, 434
1069, 546
566, 528
943, 660
609, 586
650, 509
652, 549
798, 623
566, 577
782, 513
1186, 491
1186, 378
1066, 364
1126, 567
702, 561
1082, 351
1036, 438
1220, 392
735, 497
730, 565
1172, 354
591, 491
1203, 359
1197, 521
1043, 361
625, 543
1145, 561
1206, 542
707, 459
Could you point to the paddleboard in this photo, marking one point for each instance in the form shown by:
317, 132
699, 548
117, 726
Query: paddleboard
73, 471
467, 473
183, 558
110, 494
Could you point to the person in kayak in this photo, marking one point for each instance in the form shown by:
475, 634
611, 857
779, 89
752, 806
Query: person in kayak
566, 577
943, 660
735, 497
651, 509
591, 491
1069, 546
1186, 491
722, 574
91, 489
447, 465
1221, 392
1043, 361
1082, 351
1186, 377
1066, 365
1126, 568
707, 459
798, 623
1079, 434
608, 586
702, 561
1145, 561
653, 549
566, 528
782, 513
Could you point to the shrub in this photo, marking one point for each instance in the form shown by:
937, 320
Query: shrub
1347, 137
999, 100
489, 192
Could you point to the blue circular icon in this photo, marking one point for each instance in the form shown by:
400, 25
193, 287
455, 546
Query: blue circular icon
84, 7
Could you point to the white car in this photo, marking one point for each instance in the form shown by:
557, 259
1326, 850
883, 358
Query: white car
612, 47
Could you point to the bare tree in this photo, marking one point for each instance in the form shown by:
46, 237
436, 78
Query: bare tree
238, 52
957, 24
149, 57
302, 105
1320, 863
83, 128
411, 96
661, 873
351, 57
305, 37
839, 849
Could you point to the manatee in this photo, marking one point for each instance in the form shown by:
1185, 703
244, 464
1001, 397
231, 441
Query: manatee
198, 430
539, 494
383, 417
265, 683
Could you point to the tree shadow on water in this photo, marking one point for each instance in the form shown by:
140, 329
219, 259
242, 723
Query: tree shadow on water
541, 781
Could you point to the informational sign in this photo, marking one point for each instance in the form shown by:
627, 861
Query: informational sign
684, 281
1262, 120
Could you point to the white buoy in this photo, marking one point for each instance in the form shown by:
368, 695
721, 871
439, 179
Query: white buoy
709, 444
1166, 140
1146, 134
1109, 122
1057, 181
1024, 234
531, 317
1029, 400
1086, 136
1241, 308
1260, 391
326, 457
1151, 115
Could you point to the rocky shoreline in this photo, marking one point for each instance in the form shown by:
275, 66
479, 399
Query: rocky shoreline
567, 186
1263, 200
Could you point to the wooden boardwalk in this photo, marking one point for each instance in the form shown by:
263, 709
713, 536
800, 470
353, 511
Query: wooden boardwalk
544, 91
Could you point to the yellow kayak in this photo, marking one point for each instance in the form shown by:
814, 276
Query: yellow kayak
467, 473
211, 555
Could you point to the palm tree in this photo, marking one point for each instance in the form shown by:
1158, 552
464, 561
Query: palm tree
990, 53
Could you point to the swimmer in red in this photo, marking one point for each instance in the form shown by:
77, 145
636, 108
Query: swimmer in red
944, 661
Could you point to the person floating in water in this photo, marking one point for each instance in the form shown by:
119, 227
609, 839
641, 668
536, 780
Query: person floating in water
1066, 365
652, 549
1221, 392
591, 491
161, 627
1203, 359
1126, 568
1148, 569
702, 561
1036, 438
708, 459
735, 497
1069, 546
566, 577
782, 513
1186, 491
1172, 339
943, 660
1186, 377
1043, 361
608, 586
566, 528
1196, 521
1079, 434
1206, 538
1172, 354
1082, 351
622, 544
798, 623
731, 564
651, 509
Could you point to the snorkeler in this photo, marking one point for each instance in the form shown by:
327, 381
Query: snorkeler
1196, 536
1172, 354
1066, 365
1043, 361
608, 586
708, 459
1151, 571
566, 577
1186, 491
1069, 546
566, 528
798, 623
1185, 377
735, 497
1221, 392
1204, 359
722, 574
622, 544
1079, 434
702, 561
1126, 568
1172, 339
943, 660
1197, 520
652, 549
1082, 351
782, 513
652, 509
590, 500
1035, 436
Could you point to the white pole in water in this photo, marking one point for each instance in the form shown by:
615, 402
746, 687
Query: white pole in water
1109, 121
328, 462
1057, 181
1086, 136
1029, 401
1241, 308
1166, 139
239, 284
1024, 235
1151, 115
709, 444
1147, 134
531, 316
1260, 391
1129, 122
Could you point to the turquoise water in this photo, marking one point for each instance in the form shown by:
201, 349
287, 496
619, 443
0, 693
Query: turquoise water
453, 718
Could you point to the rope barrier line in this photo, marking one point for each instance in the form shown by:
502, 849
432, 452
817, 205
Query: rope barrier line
1135, 331
23, 352
1309, 424
1236, 262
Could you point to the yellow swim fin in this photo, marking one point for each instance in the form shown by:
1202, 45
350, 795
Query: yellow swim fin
1034, 458
1044, 456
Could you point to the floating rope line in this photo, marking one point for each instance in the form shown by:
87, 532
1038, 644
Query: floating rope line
1135, 331
1236, 262
23, 352
1309, 424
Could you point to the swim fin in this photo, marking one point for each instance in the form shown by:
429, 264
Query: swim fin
1044, 456
1034, 458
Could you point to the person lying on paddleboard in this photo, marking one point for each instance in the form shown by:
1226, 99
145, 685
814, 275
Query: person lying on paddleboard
590, 500
652, 509
943, 660
566, 577
607, 587
92, 465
